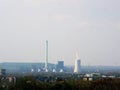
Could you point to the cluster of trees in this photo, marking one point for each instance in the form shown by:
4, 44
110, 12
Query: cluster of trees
31, 83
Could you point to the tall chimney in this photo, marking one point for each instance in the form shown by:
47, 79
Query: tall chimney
46, 58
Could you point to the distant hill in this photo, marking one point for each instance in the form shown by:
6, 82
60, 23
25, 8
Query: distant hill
24, 67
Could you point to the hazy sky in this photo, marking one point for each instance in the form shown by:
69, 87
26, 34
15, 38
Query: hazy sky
89, 27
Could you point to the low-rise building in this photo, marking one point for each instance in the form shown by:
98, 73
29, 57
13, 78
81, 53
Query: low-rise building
2, 72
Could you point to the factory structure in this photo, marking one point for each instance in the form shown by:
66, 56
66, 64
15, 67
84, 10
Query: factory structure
59, 67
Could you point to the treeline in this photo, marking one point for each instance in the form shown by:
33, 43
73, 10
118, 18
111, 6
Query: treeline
31, 83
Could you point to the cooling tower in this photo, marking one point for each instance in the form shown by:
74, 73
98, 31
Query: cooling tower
77, 64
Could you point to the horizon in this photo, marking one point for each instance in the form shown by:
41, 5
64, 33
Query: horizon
64, 64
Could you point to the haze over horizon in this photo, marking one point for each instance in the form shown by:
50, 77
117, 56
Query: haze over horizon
89, 27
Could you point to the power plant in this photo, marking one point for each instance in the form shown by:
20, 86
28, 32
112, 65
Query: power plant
77, 64
45, 66
60, 66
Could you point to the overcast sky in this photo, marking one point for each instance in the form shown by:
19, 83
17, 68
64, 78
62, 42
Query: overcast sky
89, 27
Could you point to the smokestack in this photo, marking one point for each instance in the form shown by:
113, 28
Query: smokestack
46, 58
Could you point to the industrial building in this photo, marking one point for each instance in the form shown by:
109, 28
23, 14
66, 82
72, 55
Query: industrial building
60, 66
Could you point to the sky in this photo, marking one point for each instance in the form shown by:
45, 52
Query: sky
90, 28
